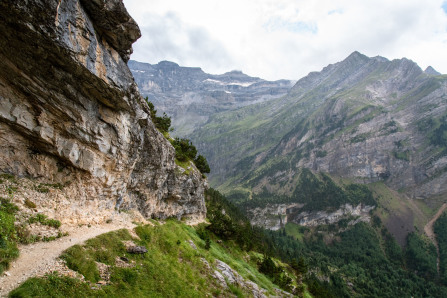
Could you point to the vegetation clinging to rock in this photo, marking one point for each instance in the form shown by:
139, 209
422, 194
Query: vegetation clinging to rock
184, 149
163, 124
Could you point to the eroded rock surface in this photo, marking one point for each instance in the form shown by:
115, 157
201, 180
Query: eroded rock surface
276, 216
71, 113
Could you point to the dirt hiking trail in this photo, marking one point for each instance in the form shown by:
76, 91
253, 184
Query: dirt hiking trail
42, 257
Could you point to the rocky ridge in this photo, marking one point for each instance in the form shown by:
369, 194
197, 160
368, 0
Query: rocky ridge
363, 120
367, 119
191, 96
71, 113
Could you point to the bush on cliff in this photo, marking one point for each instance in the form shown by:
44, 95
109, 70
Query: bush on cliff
184, 149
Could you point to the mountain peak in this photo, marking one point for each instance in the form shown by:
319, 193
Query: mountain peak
167, 64
238, 73
356, 56
431, 71
380, 59
235, 71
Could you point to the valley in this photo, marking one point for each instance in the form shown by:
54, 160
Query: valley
362, 142
121, 178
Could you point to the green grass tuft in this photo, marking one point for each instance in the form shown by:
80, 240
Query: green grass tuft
79, 261
8, 235
44, 220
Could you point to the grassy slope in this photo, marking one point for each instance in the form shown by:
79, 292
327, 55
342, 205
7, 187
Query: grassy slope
400, 214
171, 268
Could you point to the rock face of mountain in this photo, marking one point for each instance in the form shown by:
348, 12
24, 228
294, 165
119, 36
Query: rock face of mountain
431, 71
191, 96
71, 113
364, 119
276, 216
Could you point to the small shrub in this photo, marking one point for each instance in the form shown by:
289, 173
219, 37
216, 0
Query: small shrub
202, 164
143, 233
7, 206
9, 177
360, 138
30, 204
7, 229
207, 243
8, 252
163, 124
202, 232
11, 189
24, 235
8, 235
53, 223
39, 217
45, 187
42, 189
44, 220
49, 238
184, 149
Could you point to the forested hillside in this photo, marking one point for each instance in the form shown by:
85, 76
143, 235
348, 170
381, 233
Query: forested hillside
338, 260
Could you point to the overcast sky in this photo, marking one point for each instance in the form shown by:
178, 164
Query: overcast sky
286, 39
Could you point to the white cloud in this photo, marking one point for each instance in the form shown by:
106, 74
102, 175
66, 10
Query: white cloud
276, 39
167, 37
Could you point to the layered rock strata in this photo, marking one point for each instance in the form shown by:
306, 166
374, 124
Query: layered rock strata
71, 113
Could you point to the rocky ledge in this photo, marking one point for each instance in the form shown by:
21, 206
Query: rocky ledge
71, 113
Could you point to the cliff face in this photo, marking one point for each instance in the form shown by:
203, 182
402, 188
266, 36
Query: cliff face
276, 216
71, 113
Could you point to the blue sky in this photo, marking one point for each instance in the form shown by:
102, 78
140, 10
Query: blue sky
276, 39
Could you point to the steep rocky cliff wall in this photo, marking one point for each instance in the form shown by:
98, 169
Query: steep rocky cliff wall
71, 113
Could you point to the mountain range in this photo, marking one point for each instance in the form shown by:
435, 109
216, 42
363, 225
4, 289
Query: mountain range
364, 120
367, 119
190, 96
333, 165
350, 157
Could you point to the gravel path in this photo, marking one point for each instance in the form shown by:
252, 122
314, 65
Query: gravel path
42, 257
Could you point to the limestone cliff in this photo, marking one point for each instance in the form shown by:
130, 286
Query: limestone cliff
276, 216
71, 113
